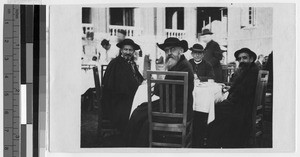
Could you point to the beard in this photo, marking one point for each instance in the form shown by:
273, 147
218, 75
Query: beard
171, 61
243, 66
127, 56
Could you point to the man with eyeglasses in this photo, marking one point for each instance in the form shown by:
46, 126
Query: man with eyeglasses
137, 133
232, 125
120, 82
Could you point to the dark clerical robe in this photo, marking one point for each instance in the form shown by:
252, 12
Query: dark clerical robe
120, 82
203, 70
213, 55
233, 121
137, 133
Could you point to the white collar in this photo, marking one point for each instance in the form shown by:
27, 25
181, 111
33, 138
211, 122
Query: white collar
197, 62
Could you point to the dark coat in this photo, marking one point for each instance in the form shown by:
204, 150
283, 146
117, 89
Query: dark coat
213, 55
203, 70
233, 121
120, 83
137, 133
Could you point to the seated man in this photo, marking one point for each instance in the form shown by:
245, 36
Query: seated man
232, 125
138, 126
202, 68
120, 82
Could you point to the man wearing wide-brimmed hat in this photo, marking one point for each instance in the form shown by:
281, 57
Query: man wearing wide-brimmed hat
137, 134
202, 68
232, 125
120, 81
213, 53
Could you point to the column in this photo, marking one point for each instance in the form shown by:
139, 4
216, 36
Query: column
190, 25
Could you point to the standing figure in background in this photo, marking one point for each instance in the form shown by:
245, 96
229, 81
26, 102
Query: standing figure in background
202, 68
120, 82
259, 61
121, 35
108, 53
265, 60
213, 54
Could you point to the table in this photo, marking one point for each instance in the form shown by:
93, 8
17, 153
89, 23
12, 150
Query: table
87, 77
205, 96
141, 96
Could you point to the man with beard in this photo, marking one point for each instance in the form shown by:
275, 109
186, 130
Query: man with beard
232, 125
137, 133
213, 54
120, 81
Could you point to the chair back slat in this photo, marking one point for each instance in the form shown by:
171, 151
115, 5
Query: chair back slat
161, 100
103, 69
97, 82
167, 115
173, 98
167, 98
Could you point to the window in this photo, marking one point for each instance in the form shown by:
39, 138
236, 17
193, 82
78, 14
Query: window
248, 17
86, 15
175, 18
121, 16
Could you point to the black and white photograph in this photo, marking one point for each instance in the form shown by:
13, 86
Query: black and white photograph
172, 77
223, 101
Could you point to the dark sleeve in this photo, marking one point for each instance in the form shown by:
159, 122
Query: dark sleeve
116, 79
216, 53
246, 89
211, 73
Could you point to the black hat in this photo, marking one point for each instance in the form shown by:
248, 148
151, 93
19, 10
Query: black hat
104, 42
206, 31
173, 42
128, 42
197, 48
245, 50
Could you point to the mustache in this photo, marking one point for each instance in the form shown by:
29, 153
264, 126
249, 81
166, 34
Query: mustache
169, 57
243, 64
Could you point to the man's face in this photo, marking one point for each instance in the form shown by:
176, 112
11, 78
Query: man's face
265, 59
120, 37
127, 52
197, 56
244, 60
206, 38
172, 56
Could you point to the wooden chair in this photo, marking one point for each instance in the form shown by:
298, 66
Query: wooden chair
256, 137
167, 127
103, 68
105, 126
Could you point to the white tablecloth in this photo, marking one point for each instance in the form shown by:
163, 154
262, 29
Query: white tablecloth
87, 78
141, 96
205, 96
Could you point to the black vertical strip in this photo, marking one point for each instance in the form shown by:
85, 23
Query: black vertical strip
23, 140
36, 60
29, 24
23, 44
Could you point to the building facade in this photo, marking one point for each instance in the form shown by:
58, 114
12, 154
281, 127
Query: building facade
233, 27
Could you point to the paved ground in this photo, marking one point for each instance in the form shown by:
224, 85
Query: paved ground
89, 138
